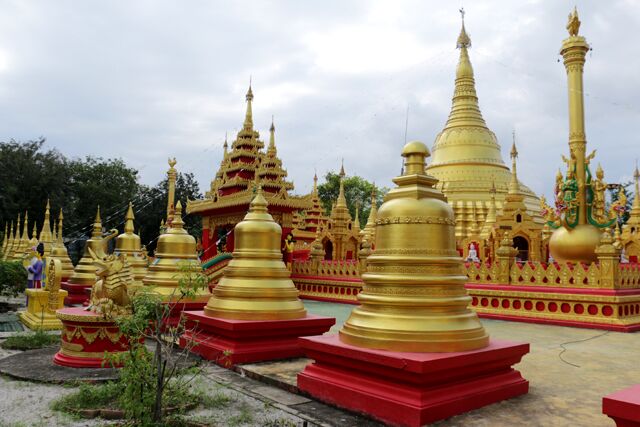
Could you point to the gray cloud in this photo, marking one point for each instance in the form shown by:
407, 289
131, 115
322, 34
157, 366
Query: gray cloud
146, 80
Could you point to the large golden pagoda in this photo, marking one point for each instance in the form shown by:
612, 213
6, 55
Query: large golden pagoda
128, 243
256, 284
413, 297
466, 157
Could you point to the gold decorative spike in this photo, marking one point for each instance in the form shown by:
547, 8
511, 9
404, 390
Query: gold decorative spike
466, 153
46, 237
370, 228
573, 24
256, 284
59, 250
129, 245
413, 297
176, 248
171, 180
22, 251
10, 241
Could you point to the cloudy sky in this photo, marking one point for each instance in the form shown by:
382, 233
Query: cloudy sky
145, 80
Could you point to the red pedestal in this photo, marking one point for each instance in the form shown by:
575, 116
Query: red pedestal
86, 337
230, 342
623, 406
410, 389
177, 308
77, 294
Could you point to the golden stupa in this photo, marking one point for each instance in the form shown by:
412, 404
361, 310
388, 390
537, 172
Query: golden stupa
128, 243
5, 239
59, 250
9, 248
256, 284
413, 297
85, 272
23, 242
176, 249
466, 157
46, 237
578, 237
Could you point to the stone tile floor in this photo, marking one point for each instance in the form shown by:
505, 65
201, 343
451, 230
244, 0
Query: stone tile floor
569, 371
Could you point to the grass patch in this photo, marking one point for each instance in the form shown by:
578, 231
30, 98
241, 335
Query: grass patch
218, 400
244, 417
30, 341
89, 396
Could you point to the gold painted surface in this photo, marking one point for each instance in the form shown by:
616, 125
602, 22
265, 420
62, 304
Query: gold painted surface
175, 247
38, 314
128, 244
466, 156
59, 250
256, 284
392, 316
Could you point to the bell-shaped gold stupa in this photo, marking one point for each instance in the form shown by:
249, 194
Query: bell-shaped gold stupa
176, 250
85, 272
256, 284
128, 243
413, 298
59, 250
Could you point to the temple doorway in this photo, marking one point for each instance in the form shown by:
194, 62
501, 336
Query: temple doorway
522, 245
328, 249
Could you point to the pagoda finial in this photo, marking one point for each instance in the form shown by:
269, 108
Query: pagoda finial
514, 187
259, 203
177, 222
315, 183
25, 226
60, 218
271, 151
97, 225
248, 118
129, 217
463, 39
342, 174
34, 232
342, 201
636, 199
573, 25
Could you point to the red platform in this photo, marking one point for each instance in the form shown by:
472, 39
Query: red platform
77, 294
85, 339
410, 389
247, 341
623, 406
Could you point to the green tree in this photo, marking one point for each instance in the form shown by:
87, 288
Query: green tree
356, 189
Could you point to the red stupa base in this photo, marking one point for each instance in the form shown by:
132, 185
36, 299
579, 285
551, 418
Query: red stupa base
230, 342
623, 406
77, 294
85, 339
176, 310
410, 389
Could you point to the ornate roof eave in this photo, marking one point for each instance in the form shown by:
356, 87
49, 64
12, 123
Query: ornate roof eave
242, 198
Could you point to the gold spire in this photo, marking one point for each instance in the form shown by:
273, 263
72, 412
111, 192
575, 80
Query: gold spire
225, 146
248, 118
463, 39
34, 235
4, 238
356, 221
413, 298
514, 187
171, 185
369, 231
636, 199
10, 242
128, 243
271, 150
45, 232
256, 284
342, 201
96, 232
315, 184
128, 218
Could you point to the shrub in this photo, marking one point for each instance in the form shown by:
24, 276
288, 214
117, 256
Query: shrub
13, 278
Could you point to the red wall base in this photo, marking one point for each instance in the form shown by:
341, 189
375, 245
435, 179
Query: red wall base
410, 389
230, 342
587, 325
77, 294
623, 406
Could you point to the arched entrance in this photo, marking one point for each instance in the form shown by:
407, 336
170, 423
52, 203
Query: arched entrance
328, 249
522, 245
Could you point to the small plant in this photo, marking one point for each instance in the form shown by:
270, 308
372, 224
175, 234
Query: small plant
30, 341
244, 417
90, 396
13, 278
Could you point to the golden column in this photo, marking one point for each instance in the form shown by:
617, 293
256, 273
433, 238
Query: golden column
577, 240
256, 285
60, 252
413, 297
171, 180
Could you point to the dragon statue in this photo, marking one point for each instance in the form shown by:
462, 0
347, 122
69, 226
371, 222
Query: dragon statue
111, 294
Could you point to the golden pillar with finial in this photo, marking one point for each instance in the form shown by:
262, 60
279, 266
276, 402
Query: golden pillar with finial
413, 296
60, 252
256, 284
46, 237
84, 274
176, 248
171, 186
413, 346
128, 243
577, 239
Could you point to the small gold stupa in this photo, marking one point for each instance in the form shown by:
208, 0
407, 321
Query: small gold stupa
23, 242
128, 243
85, 272
175, 246
59, 250
46, 237
256, 284
413, 298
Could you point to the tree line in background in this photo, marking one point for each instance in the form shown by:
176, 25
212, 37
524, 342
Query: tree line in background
31, 175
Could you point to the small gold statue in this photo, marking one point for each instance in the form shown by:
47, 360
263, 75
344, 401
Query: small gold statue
598, 204
574, 23
110, 294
